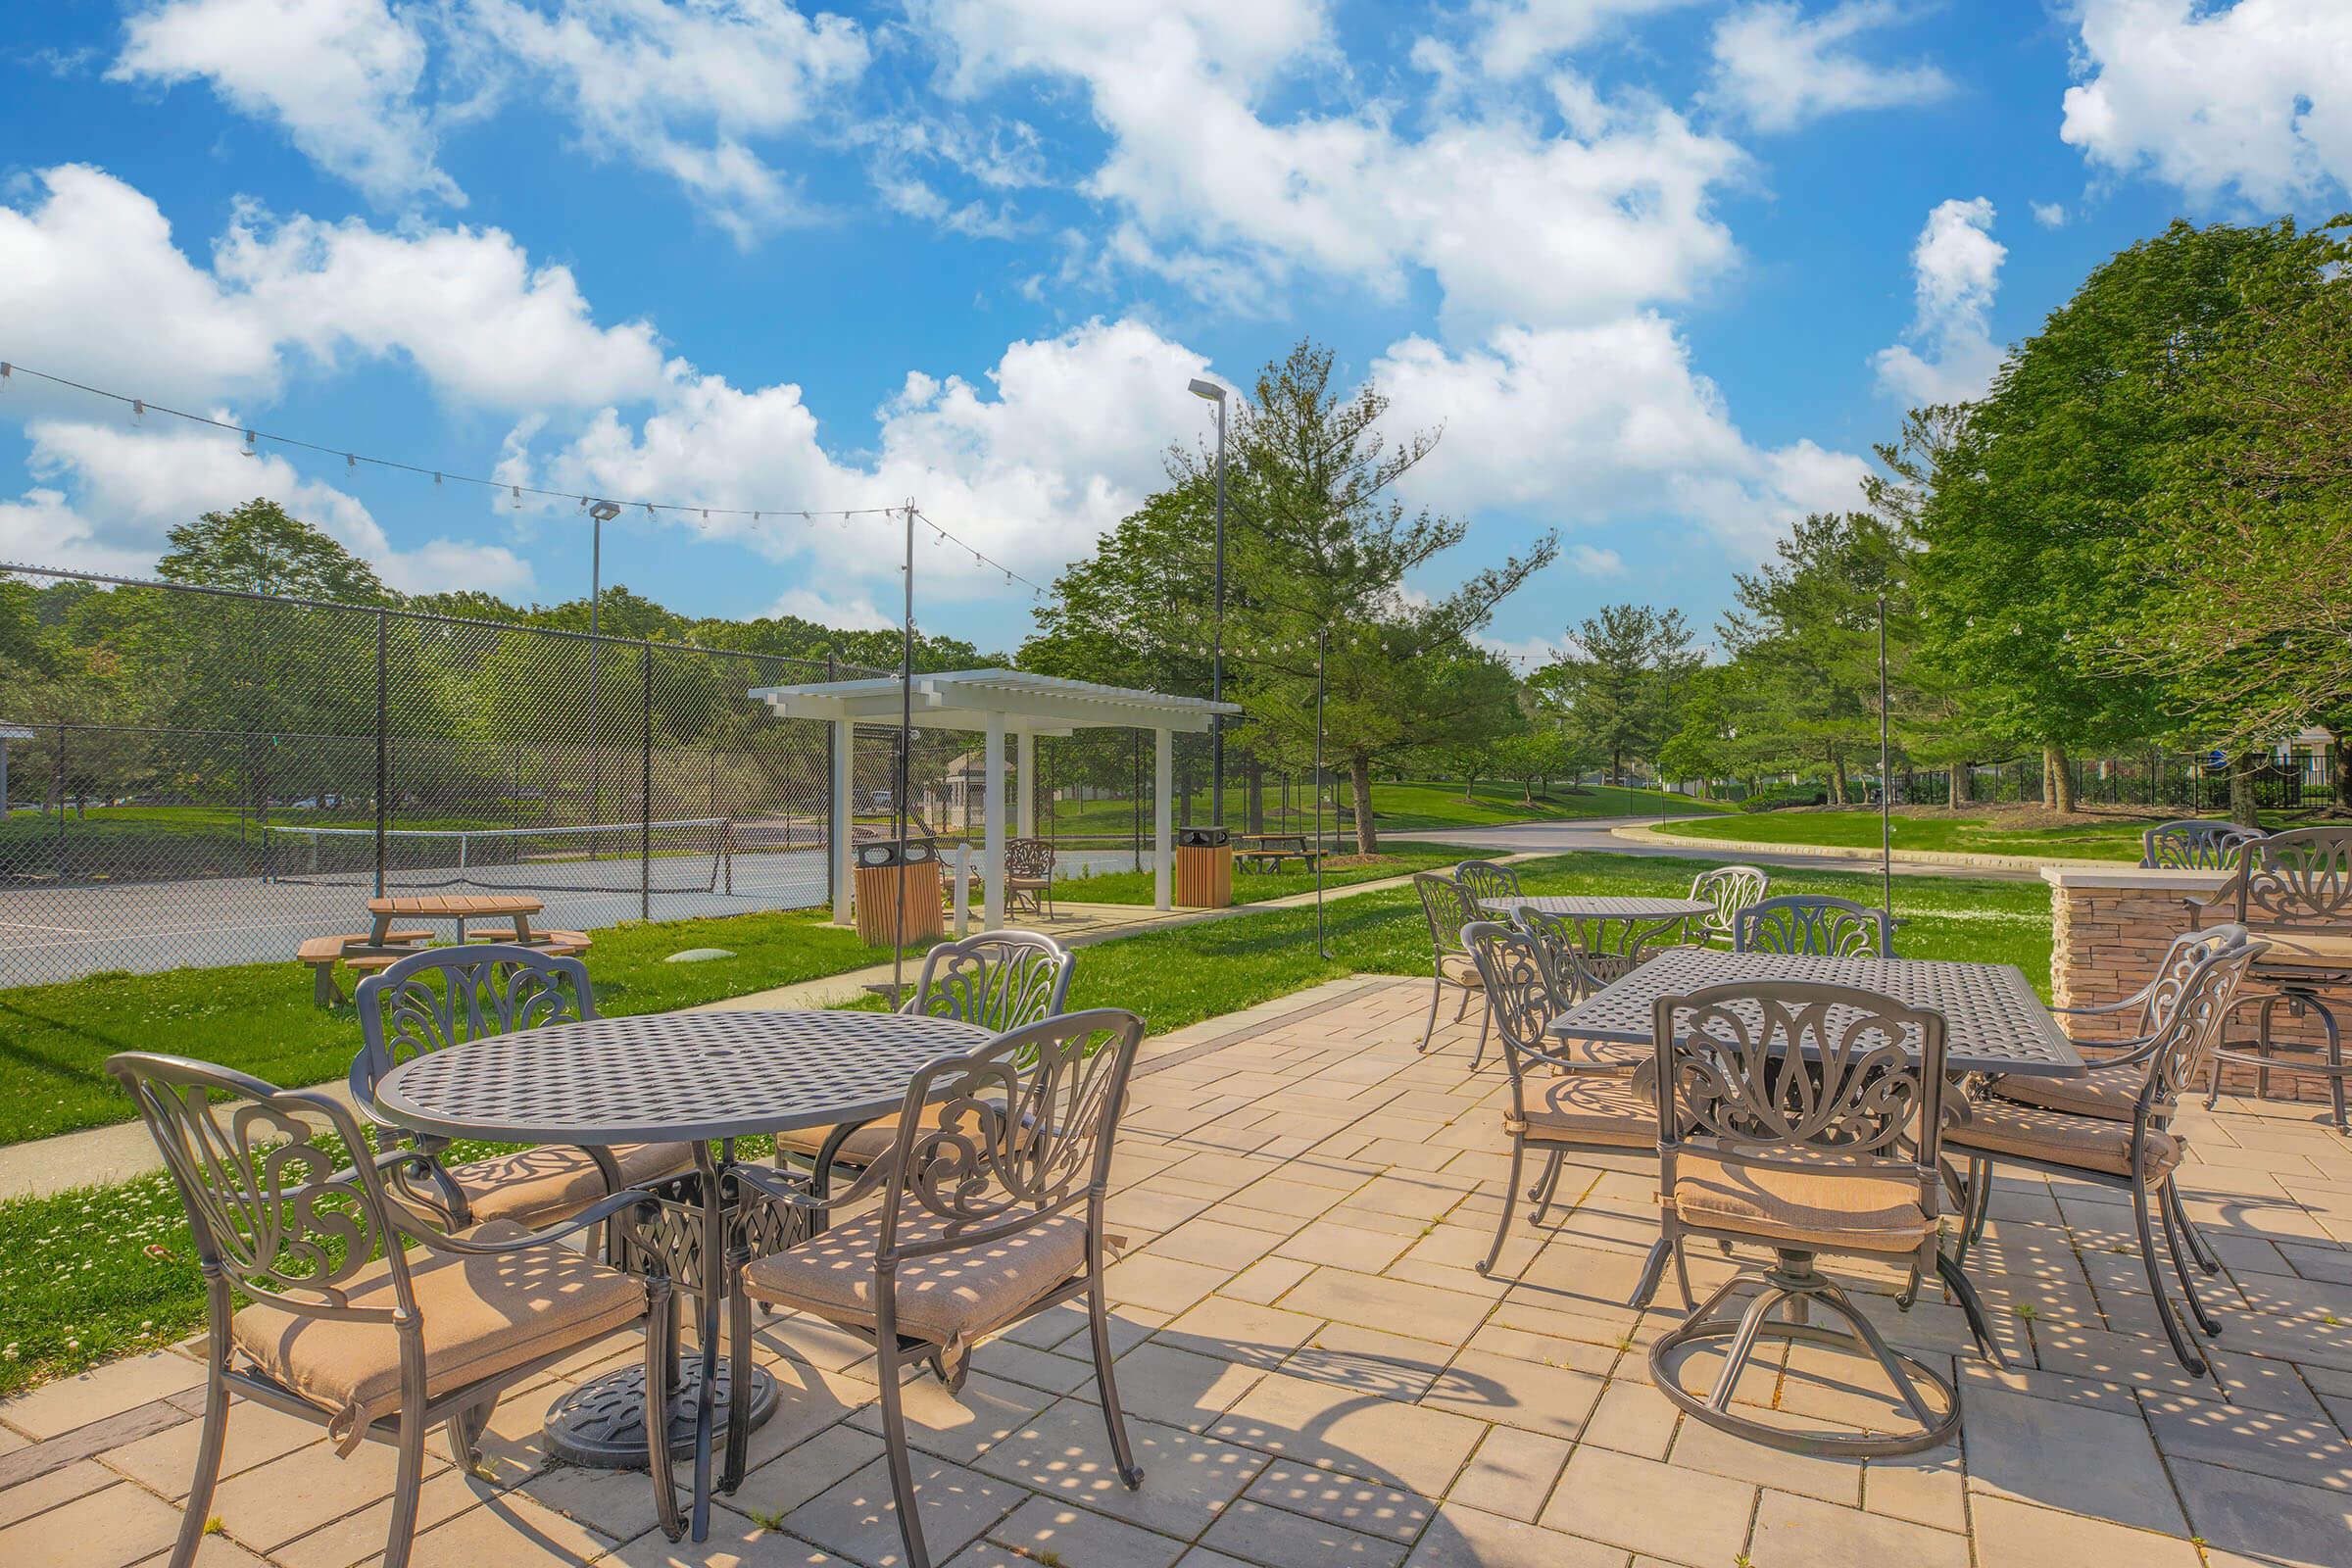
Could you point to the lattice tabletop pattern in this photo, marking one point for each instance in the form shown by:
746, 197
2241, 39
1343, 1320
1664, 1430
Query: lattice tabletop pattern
1994, 1022
1601, 906
692, 1076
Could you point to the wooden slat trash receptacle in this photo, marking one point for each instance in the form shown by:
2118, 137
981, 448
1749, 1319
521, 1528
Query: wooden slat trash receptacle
1204, 868
881, 867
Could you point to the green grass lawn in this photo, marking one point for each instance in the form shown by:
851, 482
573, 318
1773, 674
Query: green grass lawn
97, 1273
2117, 840
259, 1017
1420, 806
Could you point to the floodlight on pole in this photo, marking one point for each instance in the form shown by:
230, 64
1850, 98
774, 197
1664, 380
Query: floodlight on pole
1216, 658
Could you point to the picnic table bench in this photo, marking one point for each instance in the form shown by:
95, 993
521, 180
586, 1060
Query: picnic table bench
1269, 852
385, 944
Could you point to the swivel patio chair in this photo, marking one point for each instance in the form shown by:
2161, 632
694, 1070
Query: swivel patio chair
1576, 1110
1584, 955
1029, 876
1448, 907
2195, 845
2293, 890
1000, 980
990, 1216
2139, 1157
1731, 889
1815, 924
344, 1327
1804, 1118
449, 996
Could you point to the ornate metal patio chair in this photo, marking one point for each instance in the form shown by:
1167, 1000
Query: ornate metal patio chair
1584, 955
2110, 1090
1804, 1118
1573, 1110
989, 1217
2195, 845
2139, 1157
446, 997
1812, 924
1000, 980
1484, 879
2294, 891
1029, 876
344, 1327
1731, 889
1448, 907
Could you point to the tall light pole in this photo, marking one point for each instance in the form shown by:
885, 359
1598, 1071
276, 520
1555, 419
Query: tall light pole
602, 513
1216, 656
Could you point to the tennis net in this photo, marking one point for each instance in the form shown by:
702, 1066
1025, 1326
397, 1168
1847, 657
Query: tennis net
689, 854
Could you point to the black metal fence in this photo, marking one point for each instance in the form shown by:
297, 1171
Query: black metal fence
224, 774
2194, 783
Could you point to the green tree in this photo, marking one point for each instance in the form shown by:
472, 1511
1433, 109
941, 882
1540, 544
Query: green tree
1620, 682
2032, 570
1804, 641
260, 549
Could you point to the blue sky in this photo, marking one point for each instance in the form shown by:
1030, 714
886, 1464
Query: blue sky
1663, 269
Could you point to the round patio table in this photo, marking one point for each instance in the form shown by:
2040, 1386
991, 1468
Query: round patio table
705, 1078
1601, 906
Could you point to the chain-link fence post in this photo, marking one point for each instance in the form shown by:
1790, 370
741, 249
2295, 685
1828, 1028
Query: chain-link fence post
383, 741
645, 794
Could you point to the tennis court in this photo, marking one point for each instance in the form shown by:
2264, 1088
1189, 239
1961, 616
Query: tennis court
589, 878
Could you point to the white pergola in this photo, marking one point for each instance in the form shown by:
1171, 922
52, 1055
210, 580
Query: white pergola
998, 701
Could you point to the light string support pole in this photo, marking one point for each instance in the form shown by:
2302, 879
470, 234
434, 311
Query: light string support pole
1322, 642
1886, 781
898, 793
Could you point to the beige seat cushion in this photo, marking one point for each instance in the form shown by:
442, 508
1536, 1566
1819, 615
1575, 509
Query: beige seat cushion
2055, 1138
1461, 970
552, 1182
1602, 1109
1828, 1203
2111, 1093
480, 1315
2306, 950
864, 1146
1602, 1055
949, 1297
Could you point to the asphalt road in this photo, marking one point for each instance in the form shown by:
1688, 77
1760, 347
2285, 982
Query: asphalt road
1592, 835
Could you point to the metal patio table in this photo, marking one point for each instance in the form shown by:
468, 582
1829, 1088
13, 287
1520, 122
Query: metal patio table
1644, 916
1994, 1022
705, 1078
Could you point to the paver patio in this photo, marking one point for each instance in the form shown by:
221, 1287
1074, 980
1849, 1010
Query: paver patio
1315, 1374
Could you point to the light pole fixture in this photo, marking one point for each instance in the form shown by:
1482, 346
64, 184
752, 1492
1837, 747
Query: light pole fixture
1216, 656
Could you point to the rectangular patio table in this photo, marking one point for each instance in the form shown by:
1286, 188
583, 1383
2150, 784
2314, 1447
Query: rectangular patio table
1993, 1021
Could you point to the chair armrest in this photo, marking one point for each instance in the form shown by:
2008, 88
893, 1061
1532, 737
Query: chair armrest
2135, 999
2116, 1053
775, 1185
595, 1214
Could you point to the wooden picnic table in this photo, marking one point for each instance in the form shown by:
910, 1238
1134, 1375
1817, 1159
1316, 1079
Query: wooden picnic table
457, 906
1266, 852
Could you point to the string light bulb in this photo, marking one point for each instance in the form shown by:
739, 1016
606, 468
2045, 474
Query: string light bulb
138, 408
249, 450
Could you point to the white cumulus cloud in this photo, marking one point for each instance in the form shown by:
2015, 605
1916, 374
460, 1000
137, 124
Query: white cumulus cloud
340, 76
1777, 68
1957, 266
2247, 99
686, 90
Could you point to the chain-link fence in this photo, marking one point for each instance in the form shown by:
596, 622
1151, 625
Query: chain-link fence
223, 774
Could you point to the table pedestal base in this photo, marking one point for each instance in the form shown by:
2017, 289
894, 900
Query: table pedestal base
601, 1424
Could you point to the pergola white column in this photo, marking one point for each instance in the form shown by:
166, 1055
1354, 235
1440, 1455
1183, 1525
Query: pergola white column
992, 830
1025, 769
837, 824
1163, 819
995, 702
